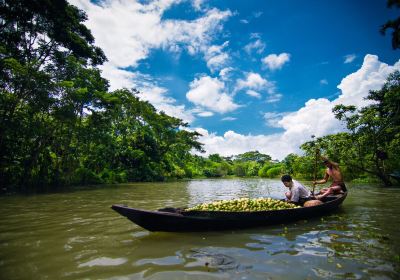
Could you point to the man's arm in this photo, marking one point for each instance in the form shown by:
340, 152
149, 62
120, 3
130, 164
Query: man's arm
295, 195
324, 180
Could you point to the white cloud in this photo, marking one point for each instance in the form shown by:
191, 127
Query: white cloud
258, 46
323, 82
253, 93
128, 30
232, 143
349, 58
314, 118
197, 4
272, 118
229, 119
216, 58
112, 25
157, 96
118, 78
210, 93
274, 61
273, 97
253, 83
206, 114
225, 73
371, 76
257, 14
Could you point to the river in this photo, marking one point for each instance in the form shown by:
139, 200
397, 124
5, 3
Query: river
75, 235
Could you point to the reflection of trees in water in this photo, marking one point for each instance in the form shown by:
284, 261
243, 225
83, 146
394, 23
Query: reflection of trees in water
209, 190
356, 239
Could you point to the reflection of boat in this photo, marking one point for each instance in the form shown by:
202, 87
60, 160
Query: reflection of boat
173, 219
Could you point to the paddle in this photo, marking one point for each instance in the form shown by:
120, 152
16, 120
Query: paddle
315, 163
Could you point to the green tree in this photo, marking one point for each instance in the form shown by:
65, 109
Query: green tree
58, 122
375, 130
253, 156
39, 40
393, 24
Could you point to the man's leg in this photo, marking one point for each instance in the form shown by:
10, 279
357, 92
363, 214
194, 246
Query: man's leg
326, 193
331, 190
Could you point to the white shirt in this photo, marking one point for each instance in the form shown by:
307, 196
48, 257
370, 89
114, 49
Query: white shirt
298, 191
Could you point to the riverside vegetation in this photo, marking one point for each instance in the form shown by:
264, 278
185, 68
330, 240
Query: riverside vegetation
61, 125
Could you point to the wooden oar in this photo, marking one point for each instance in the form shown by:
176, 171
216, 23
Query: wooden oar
315, 165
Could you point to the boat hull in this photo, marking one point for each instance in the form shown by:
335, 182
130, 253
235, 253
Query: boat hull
219, 220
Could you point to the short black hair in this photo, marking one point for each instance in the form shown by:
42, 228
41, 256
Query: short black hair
286, 178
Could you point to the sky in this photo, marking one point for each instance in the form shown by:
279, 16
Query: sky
246, 74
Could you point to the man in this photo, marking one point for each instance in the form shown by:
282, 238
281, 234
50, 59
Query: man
332, 171
298, 194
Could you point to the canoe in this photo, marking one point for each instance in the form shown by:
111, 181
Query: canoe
179, 220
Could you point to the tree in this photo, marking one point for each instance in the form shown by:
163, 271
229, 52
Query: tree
59, 124
375, 130
253, 156
393, 24
39, 41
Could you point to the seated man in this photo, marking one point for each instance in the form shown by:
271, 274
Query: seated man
298, 194
334, 172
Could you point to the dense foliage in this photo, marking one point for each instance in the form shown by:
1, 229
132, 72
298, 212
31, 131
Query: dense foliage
371, 148
393, 24
59, 124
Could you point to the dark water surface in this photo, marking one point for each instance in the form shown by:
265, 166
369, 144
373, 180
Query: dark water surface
75, 235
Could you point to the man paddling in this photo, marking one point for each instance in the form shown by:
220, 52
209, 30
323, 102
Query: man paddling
332, 171
297, 193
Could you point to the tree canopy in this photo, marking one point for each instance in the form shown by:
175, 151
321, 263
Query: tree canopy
393, 24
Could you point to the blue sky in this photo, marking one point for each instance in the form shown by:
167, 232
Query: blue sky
248, 75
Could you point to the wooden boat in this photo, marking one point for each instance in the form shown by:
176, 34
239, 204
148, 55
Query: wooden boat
178, 220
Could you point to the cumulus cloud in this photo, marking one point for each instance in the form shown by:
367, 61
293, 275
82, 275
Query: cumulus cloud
314, 118
274, 61
253, 83
232, 143
111, 23
158, 96
128, 30
272, 118
323, 82
216, 58
371, 76
349, 58
210, 93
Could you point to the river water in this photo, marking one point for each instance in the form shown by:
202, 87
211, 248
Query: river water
75, 235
